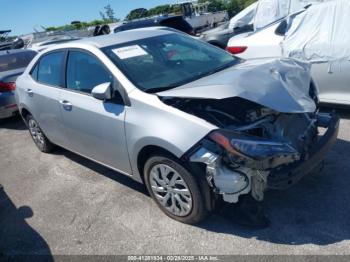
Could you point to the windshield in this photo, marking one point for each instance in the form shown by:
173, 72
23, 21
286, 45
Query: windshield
15, 60
164, 62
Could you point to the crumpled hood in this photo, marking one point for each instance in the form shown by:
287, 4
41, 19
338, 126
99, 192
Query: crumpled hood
279, 84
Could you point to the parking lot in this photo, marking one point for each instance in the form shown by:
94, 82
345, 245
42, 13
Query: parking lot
63, 204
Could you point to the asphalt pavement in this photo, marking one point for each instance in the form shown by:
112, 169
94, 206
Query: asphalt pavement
63, 204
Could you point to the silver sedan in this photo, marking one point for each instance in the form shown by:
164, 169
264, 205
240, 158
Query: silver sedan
192, 122
12, 64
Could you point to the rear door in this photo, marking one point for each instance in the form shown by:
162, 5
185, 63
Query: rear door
40, 94
95, 128
333, 81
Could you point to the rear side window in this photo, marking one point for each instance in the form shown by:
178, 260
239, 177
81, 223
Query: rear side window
49, 69
34, 72
16, 60
84, 72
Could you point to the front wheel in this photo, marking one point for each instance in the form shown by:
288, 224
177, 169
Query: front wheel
38, 135
174, 189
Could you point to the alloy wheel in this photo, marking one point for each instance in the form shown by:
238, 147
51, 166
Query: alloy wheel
171, 190
36, 132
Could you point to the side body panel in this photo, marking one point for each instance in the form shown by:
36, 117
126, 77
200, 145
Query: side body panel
42, 102
95, 129
333, 81
150, 122
263, 44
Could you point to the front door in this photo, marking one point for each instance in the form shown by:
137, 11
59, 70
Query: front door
94, 128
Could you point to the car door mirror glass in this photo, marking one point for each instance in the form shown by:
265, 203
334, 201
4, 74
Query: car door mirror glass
102, 91
282, 28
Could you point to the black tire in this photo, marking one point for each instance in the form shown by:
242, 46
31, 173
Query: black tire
44, 145
198, 211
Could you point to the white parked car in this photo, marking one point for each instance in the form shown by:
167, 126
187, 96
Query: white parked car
239, 24
318, 35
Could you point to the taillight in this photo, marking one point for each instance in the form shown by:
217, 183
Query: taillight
236, 49
7, 87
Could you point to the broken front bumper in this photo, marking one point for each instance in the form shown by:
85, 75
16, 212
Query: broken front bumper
286, 177
233, 182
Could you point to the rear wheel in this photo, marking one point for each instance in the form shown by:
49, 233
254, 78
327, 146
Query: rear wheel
38, 135
174, 189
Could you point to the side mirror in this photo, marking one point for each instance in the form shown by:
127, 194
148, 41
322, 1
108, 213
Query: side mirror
282, 28
102, 91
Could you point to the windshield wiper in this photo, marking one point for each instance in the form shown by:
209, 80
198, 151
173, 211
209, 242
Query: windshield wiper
160, 89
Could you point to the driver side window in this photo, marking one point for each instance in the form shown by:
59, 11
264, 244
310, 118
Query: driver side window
84, 72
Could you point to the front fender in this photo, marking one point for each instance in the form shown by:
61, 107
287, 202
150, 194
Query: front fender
150, 122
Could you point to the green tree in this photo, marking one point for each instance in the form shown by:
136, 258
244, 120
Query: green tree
233, 7
137, 13
77, 25
214, 5
108, 15
158, 10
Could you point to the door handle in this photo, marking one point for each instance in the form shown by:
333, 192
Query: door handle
66, 105
29, 92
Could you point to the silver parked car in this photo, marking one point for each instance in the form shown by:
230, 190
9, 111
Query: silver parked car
12, 64
192, 122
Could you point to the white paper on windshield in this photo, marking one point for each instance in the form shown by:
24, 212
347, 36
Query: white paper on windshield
129, 51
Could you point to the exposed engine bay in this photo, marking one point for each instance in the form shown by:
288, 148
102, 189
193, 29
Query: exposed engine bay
250, 142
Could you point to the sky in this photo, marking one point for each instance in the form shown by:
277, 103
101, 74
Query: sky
21, 16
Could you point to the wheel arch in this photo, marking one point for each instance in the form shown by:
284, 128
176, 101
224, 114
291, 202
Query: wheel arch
24, 112
145, 153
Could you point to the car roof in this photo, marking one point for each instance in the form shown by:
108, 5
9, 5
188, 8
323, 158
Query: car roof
121, 37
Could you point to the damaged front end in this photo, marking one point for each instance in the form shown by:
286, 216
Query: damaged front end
254, 146
267, 123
